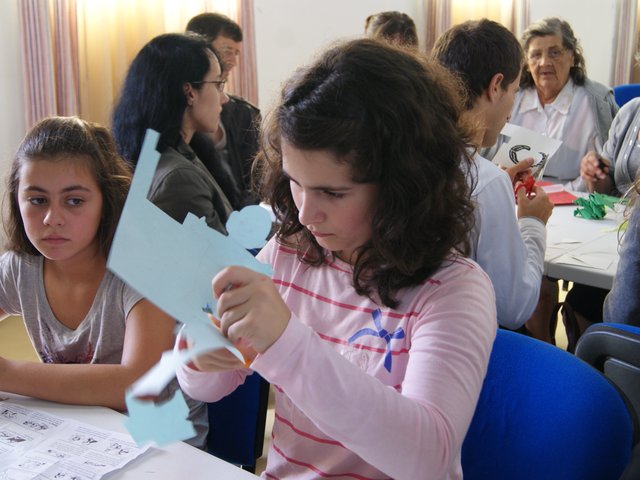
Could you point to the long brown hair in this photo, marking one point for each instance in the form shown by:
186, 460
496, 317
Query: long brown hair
393, 117
63, 138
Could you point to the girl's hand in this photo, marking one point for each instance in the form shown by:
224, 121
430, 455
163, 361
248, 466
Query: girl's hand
213, 361
218, 361
252, 313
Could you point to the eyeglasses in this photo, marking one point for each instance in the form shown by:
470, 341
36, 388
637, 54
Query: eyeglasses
553, 54
228, 51
218, 83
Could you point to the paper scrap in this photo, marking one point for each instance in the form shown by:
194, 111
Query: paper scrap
162, 424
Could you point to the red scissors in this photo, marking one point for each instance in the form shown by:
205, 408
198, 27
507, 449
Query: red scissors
528, 185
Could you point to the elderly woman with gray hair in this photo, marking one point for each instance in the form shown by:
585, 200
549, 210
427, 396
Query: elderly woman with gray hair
558, 100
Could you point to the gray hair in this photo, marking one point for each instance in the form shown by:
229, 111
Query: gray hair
555, 26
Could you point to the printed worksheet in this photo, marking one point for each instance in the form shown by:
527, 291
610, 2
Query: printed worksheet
39, 446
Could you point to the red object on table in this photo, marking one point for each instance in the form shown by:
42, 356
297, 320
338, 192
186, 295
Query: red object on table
559, 198
562, 197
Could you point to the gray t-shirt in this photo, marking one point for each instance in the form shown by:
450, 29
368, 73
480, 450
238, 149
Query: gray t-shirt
100, 336
98, 339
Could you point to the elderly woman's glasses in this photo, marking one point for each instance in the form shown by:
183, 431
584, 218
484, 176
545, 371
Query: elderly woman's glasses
553, 54
218, 83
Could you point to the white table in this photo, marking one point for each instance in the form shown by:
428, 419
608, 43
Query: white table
571, 240
175, 461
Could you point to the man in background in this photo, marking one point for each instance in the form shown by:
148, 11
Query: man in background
228, 152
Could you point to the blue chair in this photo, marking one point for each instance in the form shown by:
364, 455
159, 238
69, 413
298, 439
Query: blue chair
545, 414
624, 93
237, 423
614, 349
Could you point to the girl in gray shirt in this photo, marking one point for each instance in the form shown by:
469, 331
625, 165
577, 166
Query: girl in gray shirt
94, 334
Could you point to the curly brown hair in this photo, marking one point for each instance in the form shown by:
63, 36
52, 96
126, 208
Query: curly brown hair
394, 118
70, 138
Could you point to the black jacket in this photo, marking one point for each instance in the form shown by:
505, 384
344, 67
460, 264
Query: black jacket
241, 121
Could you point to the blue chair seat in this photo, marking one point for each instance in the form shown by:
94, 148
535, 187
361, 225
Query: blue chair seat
624, 93
545, 414
237, 423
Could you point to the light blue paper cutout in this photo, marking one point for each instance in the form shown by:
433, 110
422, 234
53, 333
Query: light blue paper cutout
247, 227
161, 424
172, 264
153, 382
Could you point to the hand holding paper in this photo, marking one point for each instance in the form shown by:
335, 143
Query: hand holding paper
172, 265
524, 143
251, 313
520, 171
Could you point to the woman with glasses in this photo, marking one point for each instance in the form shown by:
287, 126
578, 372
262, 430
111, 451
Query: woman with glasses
558, 100
175, 86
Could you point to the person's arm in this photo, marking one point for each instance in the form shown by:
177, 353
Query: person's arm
622, 304
537, 205
620, 146
219, 373
423, 422
148, 333
511, 251
212, 376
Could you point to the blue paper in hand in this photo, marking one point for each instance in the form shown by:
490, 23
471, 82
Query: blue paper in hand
172, 265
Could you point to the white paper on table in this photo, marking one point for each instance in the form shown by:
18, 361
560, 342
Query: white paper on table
566, 241
599, 261
34, 444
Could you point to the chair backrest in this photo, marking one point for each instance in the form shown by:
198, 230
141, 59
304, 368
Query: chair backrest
624, 93
614, 349
545, 414
237, 423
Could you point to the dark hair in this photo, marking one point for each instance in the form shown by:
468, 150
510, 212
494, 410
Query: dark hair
211, 25
393, 27
393, 117
152, 95
89, 144
555, 26
476, 51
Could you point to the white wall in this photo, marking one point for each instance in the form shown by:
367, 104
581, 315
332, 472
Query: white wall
290, 32
12, 118
594, 24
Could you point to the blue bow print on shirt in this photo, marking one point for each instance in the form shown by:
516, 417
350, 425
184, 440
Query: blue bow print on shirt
382, 333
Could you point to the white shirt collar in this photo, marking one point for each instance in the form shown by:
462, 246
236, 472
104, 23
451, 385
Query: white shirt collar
562, 103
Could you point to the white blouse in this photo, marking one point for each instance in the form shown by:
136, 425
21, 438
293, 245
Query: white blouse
569, 119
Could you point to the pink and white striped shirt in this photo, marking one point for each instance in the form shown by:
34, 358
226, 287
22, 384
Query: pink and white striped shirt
359, 397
